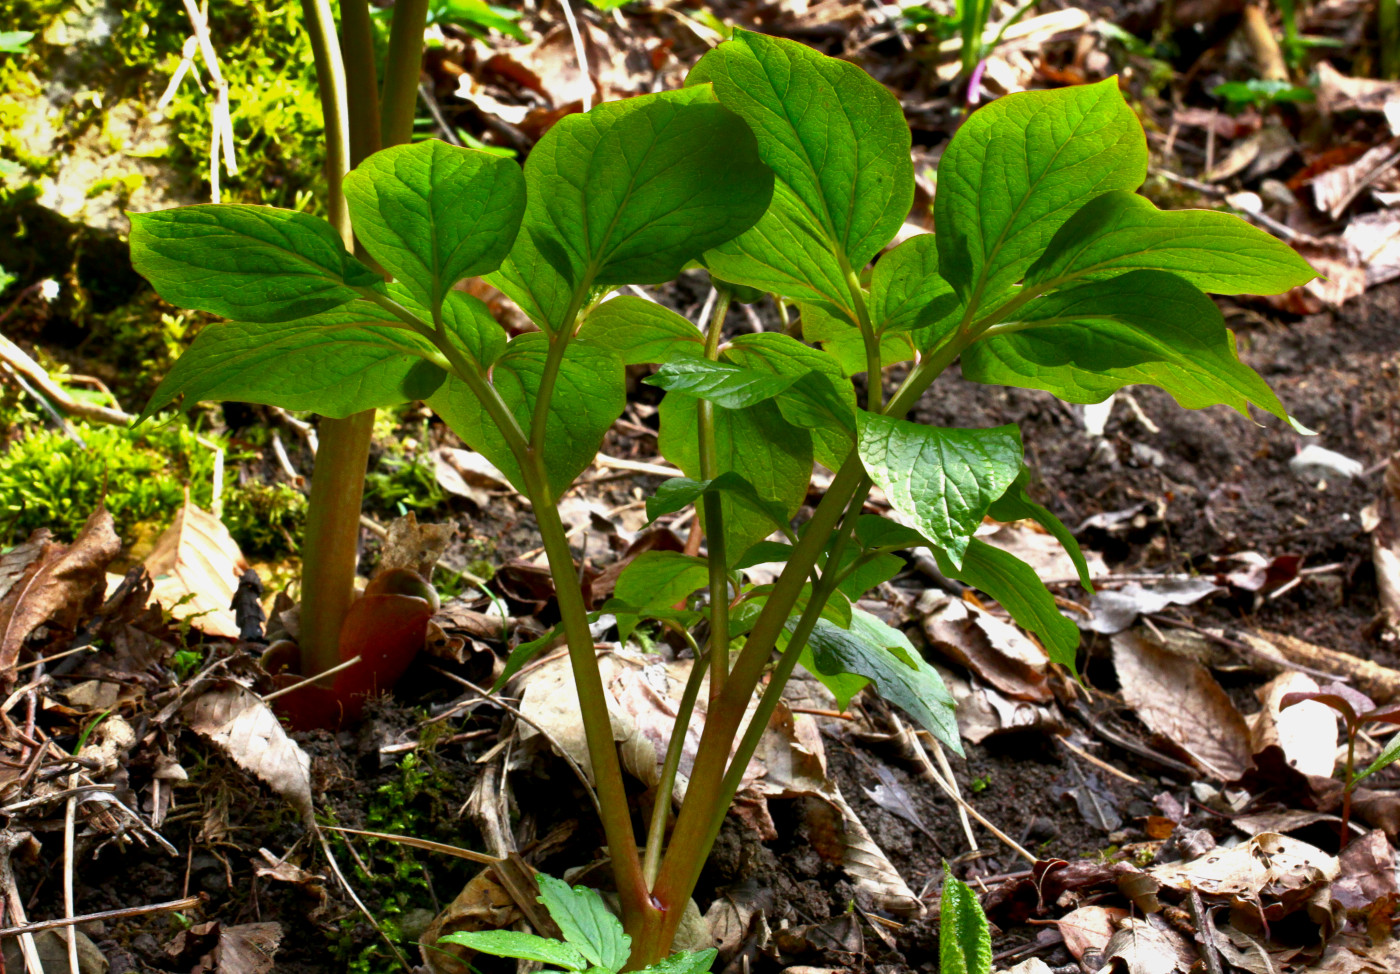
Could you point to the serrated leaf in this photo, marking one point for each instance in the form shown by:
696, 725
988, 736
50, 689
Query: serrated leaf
1147, 327
722, 383
827, 129
696, 963
1018, 169
525, 946
908, 295
642, 332
1016, 505
660, 579
432, 214
586, 922
757, 444
820, 400
1218, 252
681, 492
878, 654
941, 480
248, 263
1020, 591
588, 398
336, 363
629, 193
840, 338
964, 940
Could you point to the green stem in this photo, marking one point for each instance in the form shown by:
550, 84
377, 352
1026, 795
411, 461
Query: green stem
1388, 27
714, 514
361, 83
874, 368
661, 811
558, 345
401, 70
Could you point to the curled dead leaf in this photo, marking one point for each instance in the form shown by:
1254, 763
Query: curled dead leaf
245, 728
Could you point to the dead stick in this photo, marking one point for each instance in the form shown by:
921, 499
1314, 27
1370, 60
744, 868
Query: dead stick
1209, 954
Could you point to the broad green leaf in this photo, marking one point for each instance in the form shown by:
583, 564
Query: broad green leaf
335, 363
248, 263
588, 398
764, 552
1218, 252
1147, 327
964, 940
642, 332
837, 609
1016, 505
827, 129
681, 492
469, 324
941, 480
660, 579
878, 654
697, 963
870, 570
629, 193
432, 214
786, 253
908, 295
722, 383
523, 653
1017, 170
755, 443
586, 922
1385, 759
1020, 591
881, 534
840, 338
819, 400
526, 946
15, 41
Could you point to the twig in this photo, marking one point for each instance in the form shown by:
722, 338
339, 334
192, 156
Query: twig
39, 926
284, 461
515, 712
1205, 931
579, 52
425, 94
186, 65
18, 360
1099, 763
311, 679
70, 815
636, 466
425, 844
9, 842
221, 121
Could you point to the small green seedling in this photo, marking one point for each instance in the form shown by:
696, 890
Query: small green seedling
1356, 710
964, 939
593, 937
1260, 94
780, 171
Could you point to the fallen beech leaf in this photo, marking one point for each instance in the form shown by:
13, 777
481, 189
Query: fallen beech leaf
1144, 947
1181, 701
196, 566
236, 720
1089, 928
1367, 873
57, 585
247, 948
994, 650
1306, 733
483, 904
1243, 872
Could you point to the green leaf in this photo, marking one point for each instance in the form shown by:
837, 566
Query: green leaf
964, 941
787, 253
908, 295
660, 579
586, 922
479, 12
432, 214
523, 653
755, 443
1385, 759
764, 552
1146, 327
880, 533
827, 129
940, 480
1020, 591
15, 41
335, 363
629, 193
680, 492
1018, 168
526, 946
697, 963
642, 332
248, 263
870, 570
722, 383
1016, 505
1218, 252
840, 338
588, 398
878, 654
469, 324
819, 400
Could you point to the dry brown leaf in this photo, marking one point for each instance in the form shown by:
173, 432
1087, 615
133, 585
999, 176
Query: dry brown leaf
1367, 872
413, 546
237, 720
1335, 189
57, 585
1267, 862
994, 650
1260, 153
1342, 276
196, 565
1306, 733
1350, 955
1089, 928
1040, 550
1337, 92
1373, 241
1144, 947
247, 948
1180, 700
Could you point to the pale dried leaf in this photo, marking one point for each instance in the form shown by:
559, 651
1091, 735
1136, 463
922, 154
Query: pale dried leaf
994, 650
1144, 948
236, 720
196, 565
247, 948
1373, 241
1335, 189
1182, 702
1089, 928
1040, 550
413, 546
1116, 609
1243, 871
1306, 732
1337, 92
